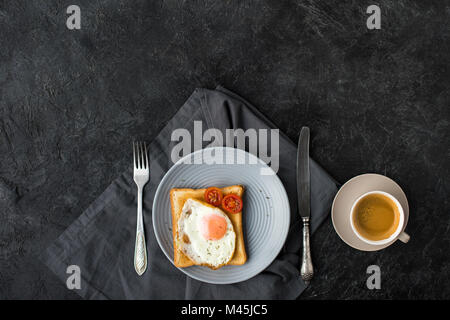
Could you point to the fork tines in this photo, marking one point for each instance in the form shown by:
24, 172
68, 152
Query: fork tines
140, 157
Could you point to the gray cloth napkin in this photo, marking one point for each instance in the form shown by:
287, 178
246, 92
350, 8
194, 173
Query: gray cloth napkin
101, 240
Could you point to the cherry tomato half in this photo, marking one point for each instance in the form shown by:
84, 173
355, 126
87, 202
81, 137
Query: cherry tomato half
232, 203
213, 196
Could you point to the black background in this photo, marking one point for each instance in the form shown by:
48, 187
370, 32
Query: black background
71, 102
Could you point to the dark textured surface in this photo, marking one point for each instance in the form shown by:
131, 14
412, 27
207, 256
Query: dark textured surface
376, 101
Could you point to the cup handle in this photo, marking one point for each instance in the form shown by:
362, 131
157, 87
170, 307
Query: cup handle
404, 237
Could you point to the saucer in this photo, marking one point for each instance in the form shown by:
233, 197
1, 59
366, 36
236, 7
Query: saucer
352, 190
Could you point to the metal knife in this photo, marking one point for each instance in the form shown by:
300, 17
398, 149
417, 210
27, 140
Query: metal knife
304, 199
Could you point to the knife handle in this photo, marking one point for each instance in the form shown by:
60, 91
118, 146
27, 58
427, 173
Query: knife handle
306, 270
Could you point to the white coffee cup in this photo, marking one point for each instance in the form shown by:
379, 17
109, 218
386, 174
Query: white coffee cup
398, 234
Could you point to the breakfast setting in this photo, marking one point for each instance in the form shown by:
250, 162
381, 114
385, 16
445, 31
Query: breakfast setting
209, 152
229, 223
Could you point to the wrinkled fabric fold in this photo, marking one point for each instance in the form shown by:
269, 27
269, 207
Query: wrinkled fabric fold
101, 240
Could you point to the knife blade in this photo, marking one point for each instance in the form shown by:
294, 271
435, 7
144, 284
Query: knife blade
303, 175
304, 201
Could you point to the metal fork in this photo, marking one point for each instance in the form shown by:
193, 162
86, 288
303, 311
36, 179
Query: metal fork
141, 176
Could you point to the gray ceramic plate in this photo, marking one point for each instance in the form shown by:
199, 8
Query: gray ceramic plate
266, 210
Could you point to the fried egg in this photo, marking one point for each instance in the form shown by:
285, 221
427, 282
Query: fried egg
206, 234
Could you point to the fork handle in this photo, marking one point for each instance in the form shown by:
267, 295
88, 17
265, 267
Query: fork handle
140, 249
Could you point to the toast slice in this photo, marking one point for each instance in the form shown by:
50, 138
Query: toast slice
177, 199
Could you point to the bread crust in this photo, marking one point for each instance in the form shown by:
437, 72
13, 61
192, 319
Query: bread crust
178, 197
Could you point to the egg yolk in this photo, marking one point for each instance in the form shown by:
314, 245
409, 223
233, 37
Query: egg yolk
213, 227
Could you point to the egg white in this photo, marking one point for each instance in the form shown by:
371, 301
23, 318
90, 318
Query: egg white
213, 253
